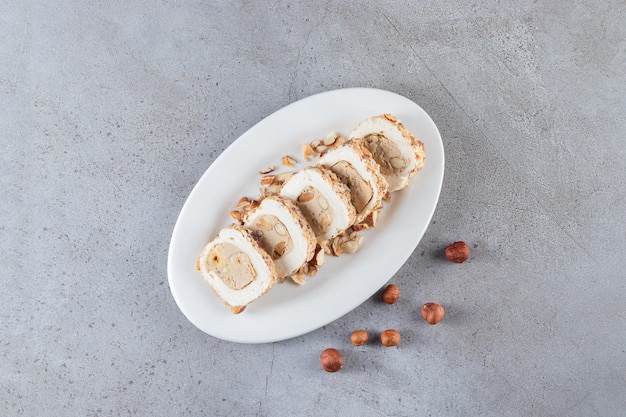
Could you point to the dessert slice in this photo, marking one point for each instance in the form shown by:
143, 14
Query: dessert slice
284, 233
237, 267
323, 199
394, 148
355, 167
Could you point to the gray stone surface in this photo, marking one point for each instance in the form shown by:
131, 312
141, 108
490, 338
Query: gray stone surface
111, 111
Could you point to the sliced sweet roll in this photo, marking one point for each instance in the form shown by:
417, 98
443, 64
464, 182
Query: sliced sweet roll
284, 232
236, 267
355, 167
394, 148
323, 199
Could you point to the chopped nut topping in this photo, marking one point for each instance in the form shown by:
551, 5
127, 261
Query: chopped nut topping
298, 279
282, 178
243, 203
237, 309
335, 245
325, 245
318, 256
254, 204
340, 141
267, 180
288, 161
307, 152
273, 189
359, 226
371, 219
330, 139
319, 147
350, 246
267, 170
236, 215
391, 118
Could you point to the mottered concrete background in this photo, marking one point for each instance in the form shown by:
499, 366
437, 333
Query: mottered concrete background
111, 111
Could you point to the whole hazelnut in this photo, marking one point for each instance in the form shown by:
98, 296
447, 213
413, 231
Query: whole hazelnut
331, 360
390, 338
432, 313
457, 252
391, 294
359, 337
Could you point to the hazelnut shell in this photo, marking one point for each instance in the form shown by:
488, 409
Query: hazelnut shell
331, 360
390, 337
359, 337
391, 294
457, 252
432, 313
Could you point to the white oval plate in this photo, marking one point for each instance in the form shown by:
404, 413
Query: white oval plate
341, 284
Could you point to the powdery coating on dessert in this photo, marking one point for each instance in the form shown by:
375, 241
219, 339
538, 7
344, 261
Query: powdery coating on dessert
264, 269
411, 149
332, 189
299, 230
355, 153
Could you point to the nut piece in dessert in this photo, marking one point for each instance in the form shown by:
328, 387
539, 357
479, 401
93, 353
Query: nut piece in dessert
432, 313
331, 360
359, 337
390, 338
267, 180
297, 279
391, 294
307, 152
457, 252
236, 215
318, 258
281, 178
288, 161
237, 309
330, 139
350, 246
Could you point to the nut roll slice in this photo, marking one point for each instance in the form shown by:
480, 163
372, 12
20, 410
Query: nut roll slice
284, 233
237, 267
355, 167
323, 199
395, 149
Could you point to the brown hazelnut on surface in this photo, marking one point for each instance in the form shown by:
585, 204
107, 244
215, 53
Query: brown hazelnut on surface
391, 294
359, 337
390, 338
457, 252
331, 360
432, 313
